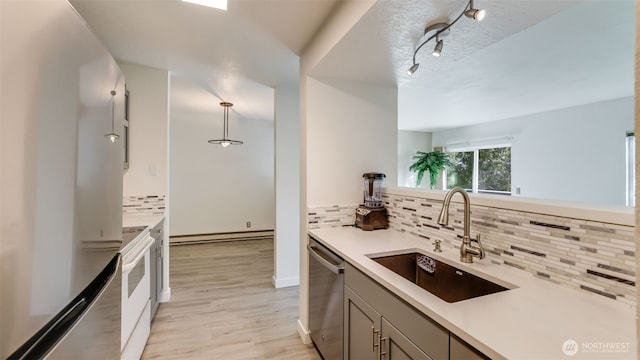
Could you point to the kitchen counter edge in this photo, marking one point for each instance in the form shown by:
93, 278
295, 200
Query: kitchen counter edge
553, 314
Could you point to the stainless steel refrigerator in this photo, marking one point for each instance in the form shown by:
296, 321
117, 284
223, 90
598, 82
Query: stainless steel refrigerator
61, 92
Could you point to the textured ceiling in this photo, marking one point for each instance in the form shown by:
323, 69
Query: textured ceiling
238, 55
527, 56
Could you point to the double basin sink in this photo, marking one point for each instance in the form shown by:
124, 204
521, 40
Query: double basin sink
445, 281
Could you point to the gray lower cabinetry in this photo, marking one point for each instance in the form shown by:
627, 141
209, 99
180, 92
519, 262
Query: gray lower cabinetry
362, 326
379, 325
370, 336
459, 350
156, 266
394, 345
380, 319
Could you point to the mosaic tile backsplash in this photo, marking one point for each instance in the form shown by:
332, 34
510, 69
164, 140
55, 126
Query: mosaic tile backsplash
145, 204
331, 216
592, 257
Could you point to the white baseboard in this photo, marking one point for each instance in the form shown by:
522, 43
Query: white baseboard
305, 334
166, 295
221, 237
286, 282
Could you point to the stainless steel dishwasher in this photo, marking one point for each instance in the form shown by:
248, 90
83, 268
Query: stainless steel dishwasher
326, 281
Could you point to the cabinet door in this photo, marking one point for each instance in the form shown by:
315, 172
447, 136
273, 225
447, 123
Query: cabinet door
460, 350
159, 267
361, 328
158, 234
396, 346
429, 336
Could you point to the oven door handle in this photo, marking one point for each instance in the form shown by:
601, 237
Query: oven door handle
335, 268
130, 264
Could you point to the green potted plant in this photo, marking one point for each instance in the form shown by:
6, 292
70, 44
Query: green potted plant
433, 162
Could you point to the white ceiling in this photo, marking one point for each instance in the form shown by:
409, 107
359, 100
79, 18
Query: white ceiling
238, 55
527, 56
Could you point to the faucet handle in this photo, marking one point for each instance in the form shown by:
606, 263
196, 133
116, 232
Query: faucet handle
480, 247
437, 247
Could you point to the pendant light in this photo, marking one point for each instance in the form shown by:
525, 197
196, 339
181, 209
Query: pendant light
225, 141
112, 135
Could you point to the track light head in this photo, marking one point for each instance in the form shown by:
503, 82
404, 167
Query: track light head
475, 14
413, 69
438, 49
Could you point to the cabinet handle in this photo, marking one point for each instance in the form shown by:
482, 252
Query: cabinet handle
373, 338
380, 340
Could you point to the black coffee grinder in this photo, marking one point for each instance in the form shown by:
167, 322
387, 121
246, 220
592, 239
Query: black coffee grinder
372, 214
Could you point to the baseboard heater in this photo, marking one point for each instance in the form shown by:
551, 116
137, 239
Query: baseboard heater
220, 237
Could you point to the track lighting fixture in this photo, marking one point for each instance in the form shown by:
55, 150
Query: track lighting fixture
225, 141
112, 135
413, 68
438, 49
475, 14
439, 30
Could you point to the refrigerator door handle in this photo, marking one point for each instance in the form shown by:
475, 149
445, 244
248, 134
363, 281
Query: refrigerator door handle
40, 344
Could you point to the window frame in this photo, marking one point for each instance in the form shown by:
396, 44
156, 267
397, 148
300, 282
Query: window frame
476, 164
630, 150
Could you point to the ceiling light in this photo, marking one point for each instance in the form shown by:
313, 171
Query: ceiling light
112, 135
216, 4
438, 30
476, 14
413, 69
438, 49
225, 141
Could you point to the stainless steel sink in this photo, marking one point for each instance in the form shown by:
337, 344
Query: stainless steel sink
441, 279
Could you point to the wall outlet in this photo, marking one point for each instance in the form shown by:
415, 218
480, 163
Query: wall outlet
248, 224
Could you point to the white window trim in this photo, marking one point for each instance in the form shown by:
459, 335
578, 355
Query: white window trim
476, 159
630, 145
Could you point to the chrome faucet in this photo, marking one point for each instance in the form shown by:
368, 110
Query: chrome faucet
467, 251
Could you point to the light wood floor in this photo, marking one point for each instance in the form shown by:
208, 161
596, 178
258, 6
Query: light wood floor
223, 306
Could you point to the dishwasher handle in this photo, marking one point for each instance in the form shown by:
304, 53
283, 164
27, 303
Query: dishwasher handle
335, 268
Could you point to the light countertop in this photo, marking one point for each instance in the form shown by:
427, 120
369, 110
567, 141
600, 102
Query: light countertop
137, 220
141, 220
531, 321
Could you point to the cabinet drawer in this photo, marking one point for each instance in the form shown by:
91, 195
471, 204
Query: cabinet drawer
428, 335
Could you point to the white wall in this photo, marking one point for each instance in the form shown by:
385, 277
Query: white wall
341, 21
287, 186
148, 118
149, 90
572, 154
351, 130
215, 189
409, 142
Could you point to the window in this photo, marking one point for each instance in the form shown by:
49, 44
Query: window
481, 170
631, 170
